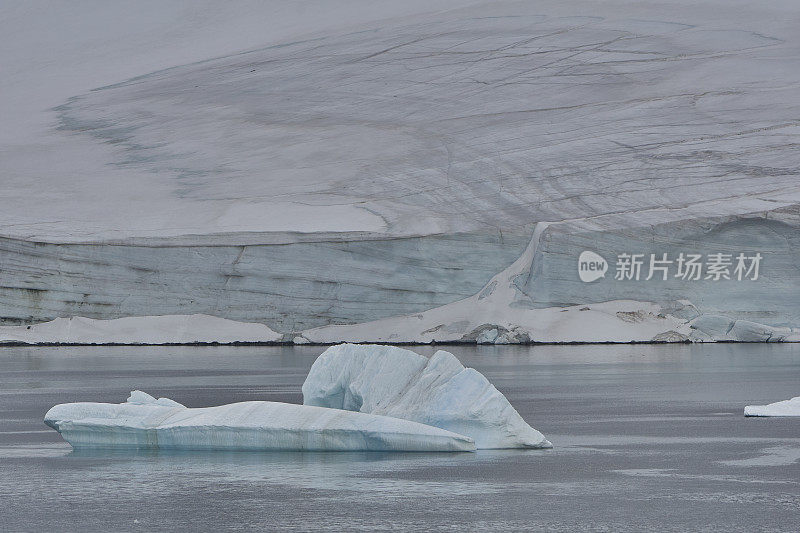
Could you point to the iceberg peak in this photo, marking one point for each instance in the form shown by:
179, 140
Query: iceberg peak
440, 391
138, 397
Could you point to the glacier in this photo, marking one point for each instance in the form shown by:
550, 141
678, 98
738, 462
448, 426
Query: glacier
440, 391
144, 422
789, 407
395, 171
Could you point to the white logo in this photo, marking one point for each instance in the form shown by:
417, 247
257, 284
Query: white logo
591, 266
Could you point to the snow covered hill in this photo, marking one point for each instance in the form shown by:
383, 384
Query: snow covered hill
378, 171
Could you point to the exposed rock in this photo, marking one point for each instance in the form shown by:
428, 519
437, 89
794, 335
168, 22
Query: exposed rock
631, 316
671, 336
494, 334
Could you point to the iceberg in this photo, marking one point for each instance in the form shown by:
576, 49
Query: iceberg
440, 392
784, 408
146, 422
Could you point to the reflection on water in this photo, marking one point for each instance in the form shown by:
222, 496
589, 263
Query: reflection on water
646, 437
370, 474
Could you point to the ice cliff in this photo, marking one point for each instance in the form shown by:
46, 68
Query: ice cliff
439, 391
144, 422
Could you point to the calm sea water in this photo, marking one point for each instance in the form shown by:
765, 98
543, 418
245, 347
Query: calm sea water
646, 438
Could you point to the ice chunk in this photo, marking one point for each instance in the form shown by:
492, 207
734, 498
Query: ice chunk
144, 422
784, 408
390, 381
138, 397
344, 376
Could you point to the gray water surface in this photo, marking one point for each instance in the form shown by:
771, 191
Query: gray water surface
646, 438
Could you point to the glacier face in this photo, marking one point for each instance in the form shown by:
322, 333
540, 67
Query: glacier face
399, 383
144, 422
290, 286
375, 174
771, 299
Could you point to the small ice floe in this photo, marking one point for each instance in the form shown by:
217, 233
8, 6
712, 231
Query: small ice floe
440, 391
144, 422
783, 408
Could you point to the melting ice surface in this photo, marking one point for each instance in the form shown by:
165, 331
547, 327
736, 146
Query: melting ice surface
144, 422
440, 391
785, 408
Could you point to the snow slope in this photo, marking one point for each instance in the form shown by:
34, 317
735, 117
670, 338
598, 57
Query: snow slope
439, 391
396, 117
144, 422
172, 329
63, 187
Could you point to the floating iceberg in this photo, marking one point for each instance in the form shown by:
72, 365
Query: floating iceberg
144, 422
355, 398
440, 392
784, 408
